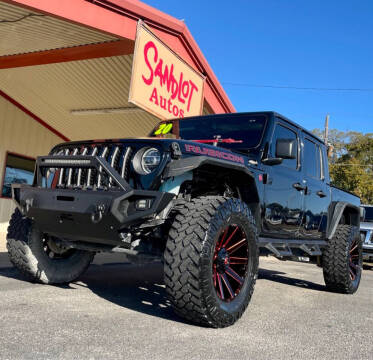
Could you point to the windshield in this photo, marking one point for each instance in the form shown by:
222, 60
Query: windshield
368, 213
231, 131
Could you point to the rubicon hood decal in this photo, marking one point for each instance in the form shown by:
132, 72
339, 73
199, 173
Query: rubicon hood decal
201, 150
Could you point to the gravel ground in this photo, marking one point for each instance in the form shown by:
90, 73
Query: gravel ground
118, 310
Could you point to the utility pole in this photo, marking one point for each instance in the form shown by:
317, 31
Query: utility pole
326, 131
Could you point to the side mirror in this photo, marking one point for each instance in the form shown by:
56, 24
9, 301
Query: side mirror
286, 149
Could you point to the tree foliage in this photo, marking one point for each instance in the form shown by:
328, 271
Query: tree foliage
351, 163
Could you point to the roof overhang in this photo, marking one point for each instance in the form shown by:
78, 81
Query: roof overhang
109, 29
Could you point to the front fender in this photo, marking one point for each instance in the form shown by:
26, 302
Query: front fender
179, 167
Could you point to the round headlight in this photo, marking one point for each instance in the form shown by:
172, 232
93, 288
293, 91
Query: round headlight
150, 160
146, 160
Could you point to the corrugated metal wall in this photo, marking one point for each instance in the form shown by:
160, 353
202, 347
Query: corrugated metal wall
52, 91
25, 31
22, 135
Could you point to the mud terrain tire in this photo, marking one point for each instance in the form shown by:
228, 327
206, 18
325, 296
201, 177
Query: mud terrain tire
189, 272
342, 260
27, 253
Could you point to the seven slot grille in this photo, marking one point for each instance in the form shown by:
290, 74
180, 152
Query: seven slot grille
117, 155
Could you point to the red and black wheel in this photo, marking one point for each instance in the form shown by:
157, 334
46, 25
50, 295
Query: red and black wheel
343, 260
211, 260
231, 257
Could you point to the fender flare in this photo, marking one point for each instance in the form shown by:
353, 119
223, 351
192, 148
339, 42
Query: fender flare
335, 215
179, 167
182, 166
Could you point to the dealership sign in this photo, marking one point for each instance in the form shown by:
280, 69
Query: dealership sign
162, 83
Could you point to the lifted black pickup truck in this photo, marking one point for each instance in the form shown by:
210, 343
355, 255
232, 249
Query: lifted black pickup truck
206, 194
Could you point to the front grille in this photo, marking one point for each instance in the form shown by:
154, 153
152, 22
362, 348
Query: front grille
118, 156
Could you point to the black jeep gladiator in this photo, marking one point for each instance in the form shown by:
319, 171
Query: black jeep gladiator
206, 194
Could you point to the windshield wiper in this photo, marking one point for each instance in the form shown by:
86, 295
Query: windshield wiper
218, 140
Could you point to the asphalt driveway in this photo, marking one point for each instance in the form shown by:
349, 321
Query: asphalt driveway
119, 311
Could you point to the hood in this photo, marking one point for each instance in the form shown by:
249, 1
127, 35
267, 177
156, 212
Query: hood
187, 147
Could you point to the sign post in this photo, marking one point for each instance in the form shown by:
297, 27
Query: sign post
162, 83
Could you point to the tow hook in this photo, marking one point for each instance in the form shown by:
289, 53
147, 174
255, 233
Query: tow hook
96, 216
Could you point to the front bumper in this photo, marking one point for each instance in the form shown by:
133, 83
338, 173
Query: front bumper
98, 216
94, 216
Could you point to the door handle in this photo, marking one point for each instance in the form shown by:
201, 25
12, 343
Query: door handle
299, 187
321, 194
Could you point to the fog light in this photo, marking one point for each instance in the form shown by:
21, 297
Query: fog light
142, 204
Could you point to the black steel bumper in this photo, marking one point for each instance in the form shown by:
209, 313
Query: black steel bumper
97, 216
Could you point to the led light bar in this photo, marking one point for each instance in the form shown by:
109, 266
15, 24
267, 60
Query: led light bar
69, 161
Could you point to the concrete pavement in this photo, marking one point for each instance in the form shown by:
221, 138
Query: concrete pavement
119, 311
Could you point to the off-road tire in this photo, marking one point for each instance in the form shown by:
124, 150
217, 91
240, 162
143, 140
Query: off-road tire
189, 255
26, 252
336, 260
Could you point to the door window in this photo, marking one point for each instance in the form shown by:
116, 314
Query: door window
322, 171
311, 159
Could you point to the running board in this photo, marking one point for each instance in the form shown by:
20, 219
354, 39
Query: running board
285, 247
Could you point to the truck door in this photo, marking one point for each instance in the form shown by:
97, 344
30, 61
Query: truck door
317, 195
283, 196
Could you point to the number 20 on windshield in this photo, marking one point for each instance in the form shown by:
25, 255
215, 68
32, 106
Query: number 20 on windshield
163, 129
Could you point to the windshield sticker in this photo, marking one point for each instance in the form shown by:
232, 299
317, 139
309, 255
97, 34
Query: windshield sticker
163, 129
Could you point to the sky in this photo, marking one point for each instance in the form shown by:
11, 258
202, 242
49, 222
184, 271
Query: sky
291, 43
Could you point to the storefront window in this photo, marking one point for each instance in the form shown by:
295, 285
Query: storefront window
18, 170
